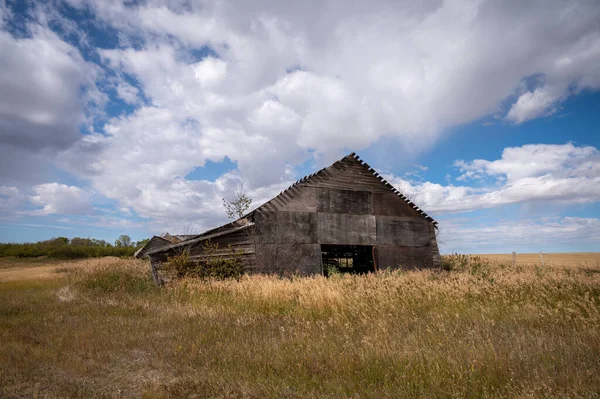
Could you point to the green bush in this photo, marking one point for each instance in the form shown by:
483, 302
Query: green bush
68, 252
63, 248
215, 264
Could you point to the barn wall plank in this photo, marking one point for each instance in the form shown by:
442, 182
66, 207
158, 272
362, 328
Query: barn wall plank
397, 257
343, 201
304, 259
388, 204
287, 227
303, 200
393, 231
342, 229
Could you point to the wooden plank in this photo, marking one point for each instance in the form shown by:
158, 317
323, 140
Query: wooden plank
389, 204
412, 232
304, 199
287, 227
304, 259
397, 257
343, 201
342, 229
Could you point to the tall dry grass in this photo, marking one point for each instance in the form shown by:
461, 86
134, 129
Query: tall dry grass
482, 330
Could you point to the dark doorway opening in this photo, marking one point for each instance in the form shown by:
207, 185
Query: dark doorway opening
354, 259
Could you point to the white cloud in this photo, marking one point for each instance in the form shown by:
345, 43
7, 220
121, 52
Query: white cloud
290, 82
55, 198
210, 71
537, 172
532, 160
11, 198
127, 92
42, 100
504, 236
534, 104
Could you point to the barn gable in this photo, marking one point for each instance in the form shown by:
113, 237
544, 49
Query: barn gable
346, 209
348, 186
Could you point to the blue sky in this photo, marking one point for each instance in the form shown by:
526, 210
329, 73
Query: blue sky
139, 117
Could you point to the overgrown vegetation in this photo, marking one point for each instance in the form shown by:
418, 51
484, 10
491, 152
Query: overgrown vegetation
74, 248
99, 328
215, 264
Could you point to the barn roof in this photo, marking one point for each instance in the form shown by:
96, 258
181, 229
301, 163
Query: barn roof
284, 195
154, 243
247, 220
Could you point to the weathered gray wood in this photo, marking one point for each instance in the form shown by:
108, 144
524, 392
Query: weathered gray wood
341, 229
154, 243
413, 232
303, 200
155, 275
287, 227
347, 203
394, 257
433, 245
354, 202
387, 204
280, 259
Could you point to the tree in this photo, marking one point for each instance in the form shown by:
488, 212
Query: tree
81, 242
237, 207
123, 241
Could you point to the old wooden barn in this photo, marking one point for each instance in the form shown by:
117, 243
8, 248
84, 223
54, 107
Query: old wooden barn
344, 216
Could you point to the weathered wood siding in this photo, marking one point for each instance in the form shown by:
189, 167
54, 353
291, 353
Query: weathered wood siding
394, 257
154, 243
353, 206
342, 229
344, 204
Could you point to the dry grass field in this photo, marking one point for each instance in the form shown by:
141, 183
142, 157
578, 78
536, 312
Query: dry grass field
100, 329
580, 259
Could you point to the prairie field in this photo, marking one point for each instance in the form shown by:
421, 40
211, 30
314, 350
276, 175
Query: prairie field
578, 259
100, 329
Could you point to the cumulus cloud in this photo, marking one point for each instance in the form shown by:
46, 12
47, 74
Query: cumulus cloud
546, 234
272, 85
537, 172
11, 198
45, 87
127, 92
55, 198
531, 105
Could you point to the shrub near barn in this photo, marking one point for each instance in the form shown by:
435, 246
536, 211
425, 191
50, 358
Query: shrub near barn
219, 265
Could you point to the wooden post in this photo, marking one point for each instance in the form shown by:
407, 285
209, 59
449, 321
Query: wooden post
155, 276
468, 259
514, 254
541, 258
374, 255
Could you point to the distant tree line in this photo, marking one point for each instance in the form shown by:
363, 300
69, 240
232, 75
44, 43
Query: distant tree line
74, 248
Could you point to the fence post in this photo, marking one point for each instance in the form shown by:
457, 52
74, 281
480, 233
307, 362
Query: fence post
541, 258
514, 254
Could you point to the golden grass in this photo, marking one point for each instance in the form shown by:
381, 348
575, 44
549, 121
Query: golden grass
14, 269
578, 259
103, 330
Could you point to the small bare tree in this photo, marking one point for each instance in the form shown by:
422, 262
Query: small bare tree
271, 235
237, 207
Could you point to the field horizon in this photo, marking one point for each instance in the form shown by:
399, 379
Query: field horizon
99, 328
